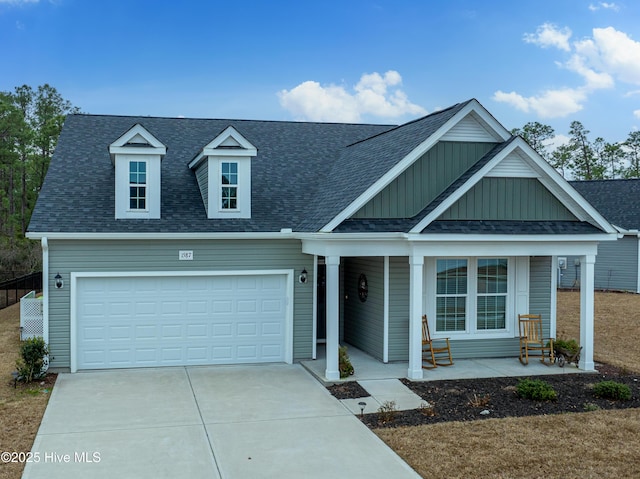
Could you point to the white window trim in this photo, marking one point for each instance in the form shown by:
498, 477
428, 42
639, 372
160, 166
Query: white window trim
123, 208
471, 331
243, 203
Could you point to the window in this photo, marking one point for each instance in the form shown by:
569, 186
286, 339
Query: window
468, 287
451, 295
137, 185
229, 186
491, 306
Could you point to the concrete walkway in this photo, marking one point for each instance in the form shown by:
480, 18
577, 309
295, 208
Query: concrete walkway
381, 392
204, 422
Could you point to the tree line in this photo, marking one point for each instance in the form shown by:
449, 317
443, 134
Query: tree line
30, 124
584, 159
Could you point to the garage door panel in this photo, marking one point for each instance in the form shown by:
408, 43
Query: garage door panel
150, 321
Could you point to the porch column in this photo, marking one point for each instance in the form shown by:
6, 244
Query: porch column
333, 317
586, 311
416, 266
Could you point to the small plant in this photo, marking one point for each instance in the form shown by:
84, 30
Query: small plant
589, 406
479, 401
612, 390
33, 357
536, 389
570, 345
344, 363
427, 409
387, 412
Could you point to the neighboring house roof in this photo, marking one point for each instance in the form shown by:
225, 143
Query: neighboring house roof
617, 200
307, 177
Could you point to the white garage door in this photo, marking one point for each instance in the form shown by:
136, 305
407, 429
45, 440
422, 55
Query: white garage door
184, 320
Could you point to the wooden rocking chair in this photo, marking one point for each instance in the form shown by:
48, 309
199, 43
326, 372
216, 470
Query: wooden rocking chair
531, 339
436, 356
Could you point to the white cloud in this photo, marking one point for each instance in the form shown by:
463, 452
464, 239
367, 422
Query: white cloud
613, 52
605, 6
549, 35
19, 2
600, 61
375, 94
636, 113
549, 104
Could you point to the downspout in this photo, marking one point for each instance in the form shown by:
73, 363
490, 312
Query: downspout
638, 265
45, 289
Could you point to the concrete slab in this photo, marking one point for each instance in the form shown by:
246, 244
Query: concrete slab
387, 390
163, 452
353, 405
338, 447
266, 392
120, 399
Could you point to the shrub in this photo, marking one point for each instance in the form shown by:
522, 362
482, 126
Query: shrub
479, 401
344, 363
612, 390
387, 411
536, 389
570, 345
33, 355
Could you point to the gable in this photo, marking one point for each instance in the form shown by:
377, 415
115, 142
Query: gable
504, 199
472, 128
424, 180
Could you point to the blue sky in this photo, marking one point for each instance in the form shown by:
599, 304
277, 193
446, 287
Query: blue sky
378, 61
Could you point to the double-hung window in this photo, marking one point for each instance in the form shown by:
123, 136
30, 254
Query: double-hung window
472, 295
229, 186
137, 185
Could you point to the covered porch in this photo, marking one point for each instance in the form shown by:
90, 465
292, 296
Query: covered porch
532, 282
368, 368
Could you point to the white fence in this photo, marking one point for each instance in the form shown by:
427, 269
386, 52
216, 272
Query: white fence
31, 316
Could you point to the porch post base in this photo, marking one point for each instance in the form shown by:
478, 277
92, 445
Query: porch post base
586, 365
331, 375
415, 374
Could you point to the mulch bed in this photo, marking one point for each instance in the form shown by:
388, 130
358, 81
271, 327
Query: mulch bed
465, 399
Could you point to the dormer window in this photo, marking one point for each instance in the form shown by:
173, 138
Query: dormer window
137, 155
223, 173
137, 185
229, 186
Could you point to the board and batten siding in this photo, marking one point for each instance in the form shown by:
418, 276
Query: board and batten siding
364, 321
424, 180
160, 255
616, 266
508, 199
540, 290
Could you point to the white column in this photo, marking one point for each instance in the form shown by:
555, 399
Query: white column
586, 311
333, 317
416, 266
385, 301
314, 344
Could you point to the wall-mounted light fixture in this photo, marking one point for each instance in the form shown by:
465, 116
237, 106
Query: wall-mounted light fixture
303, 276
59, 282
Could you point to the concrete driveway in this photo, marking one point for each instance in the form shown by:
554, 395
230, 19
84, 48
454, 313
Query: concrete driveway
271, 421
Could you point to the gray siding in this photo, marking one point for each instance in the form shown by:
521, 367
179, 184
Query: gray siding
540, 289
202, 176
76, 256
364, 321
398, 308
616, 266
508, 199
429, 176
484, 348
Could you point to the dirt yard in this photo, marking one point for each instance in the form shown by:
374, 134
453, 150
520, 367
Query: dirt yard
21, 408
599, 444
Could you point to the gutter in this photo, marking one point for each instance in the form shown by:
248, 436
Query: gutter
45, 289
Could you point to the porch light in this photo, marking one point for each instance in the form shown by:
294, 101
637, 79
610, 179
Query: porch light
59, 282
362, 405
303, 276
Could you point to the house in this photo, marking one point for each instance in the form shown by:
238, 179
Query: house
618, 266
172, 241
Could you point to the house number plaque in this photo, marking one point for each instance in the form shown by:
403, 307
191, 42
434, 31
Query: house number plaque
185, 255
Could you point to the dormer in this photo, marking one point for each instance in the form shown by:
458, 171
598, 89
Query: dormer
223, 172
136, 156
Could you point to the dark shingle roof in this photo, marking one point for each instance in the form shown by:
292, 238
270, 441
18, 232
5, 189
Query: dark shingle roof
512, 227
78, 193
617, 200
